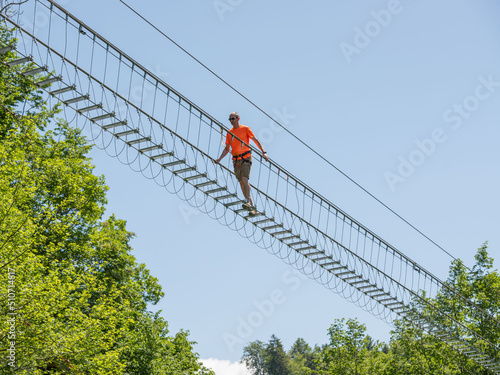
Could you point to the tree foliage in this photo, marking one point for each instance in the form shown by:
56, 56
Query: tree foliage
276, 360
76, 298
410, 351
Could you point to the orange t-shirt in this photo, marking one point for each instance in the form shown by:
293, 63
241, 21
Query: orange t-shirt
242, 132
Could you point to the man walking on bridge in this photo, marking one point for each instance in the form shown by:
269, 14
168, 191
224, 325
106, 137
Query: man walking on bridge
238, 138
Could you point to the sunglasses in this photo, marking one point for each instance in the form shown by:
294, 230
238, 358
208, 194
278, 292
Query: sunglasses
233, 118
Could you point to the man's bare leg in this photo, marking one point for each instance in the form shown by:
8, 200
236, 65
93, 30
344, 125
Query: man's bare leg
245, 188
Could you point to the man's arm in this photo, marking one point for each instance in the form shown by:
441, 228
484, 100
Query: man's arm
259, 145
224, 153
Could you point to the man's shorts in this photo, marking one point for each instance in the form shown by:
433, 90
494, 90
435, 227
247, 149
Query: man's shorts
242, 167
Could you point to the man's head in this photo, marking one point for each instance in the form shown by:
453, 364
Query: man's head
234, 118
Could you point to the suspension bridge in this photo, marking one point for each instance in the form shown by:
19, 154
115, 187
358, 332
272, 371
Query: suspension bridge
169, 139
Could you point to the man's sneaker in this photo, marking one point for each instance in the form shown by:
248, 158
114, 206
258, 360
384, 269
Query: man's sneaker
247, 206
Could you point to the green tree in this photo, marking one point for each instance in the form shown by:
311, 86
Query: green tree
303, 357
346, 349
253, 357
416, 352
410, 351
77, 300
276, 360
351, 351
267, 359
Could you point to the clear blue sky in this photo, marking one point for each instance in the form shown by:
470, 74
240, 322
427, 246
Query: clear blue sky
403, 96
